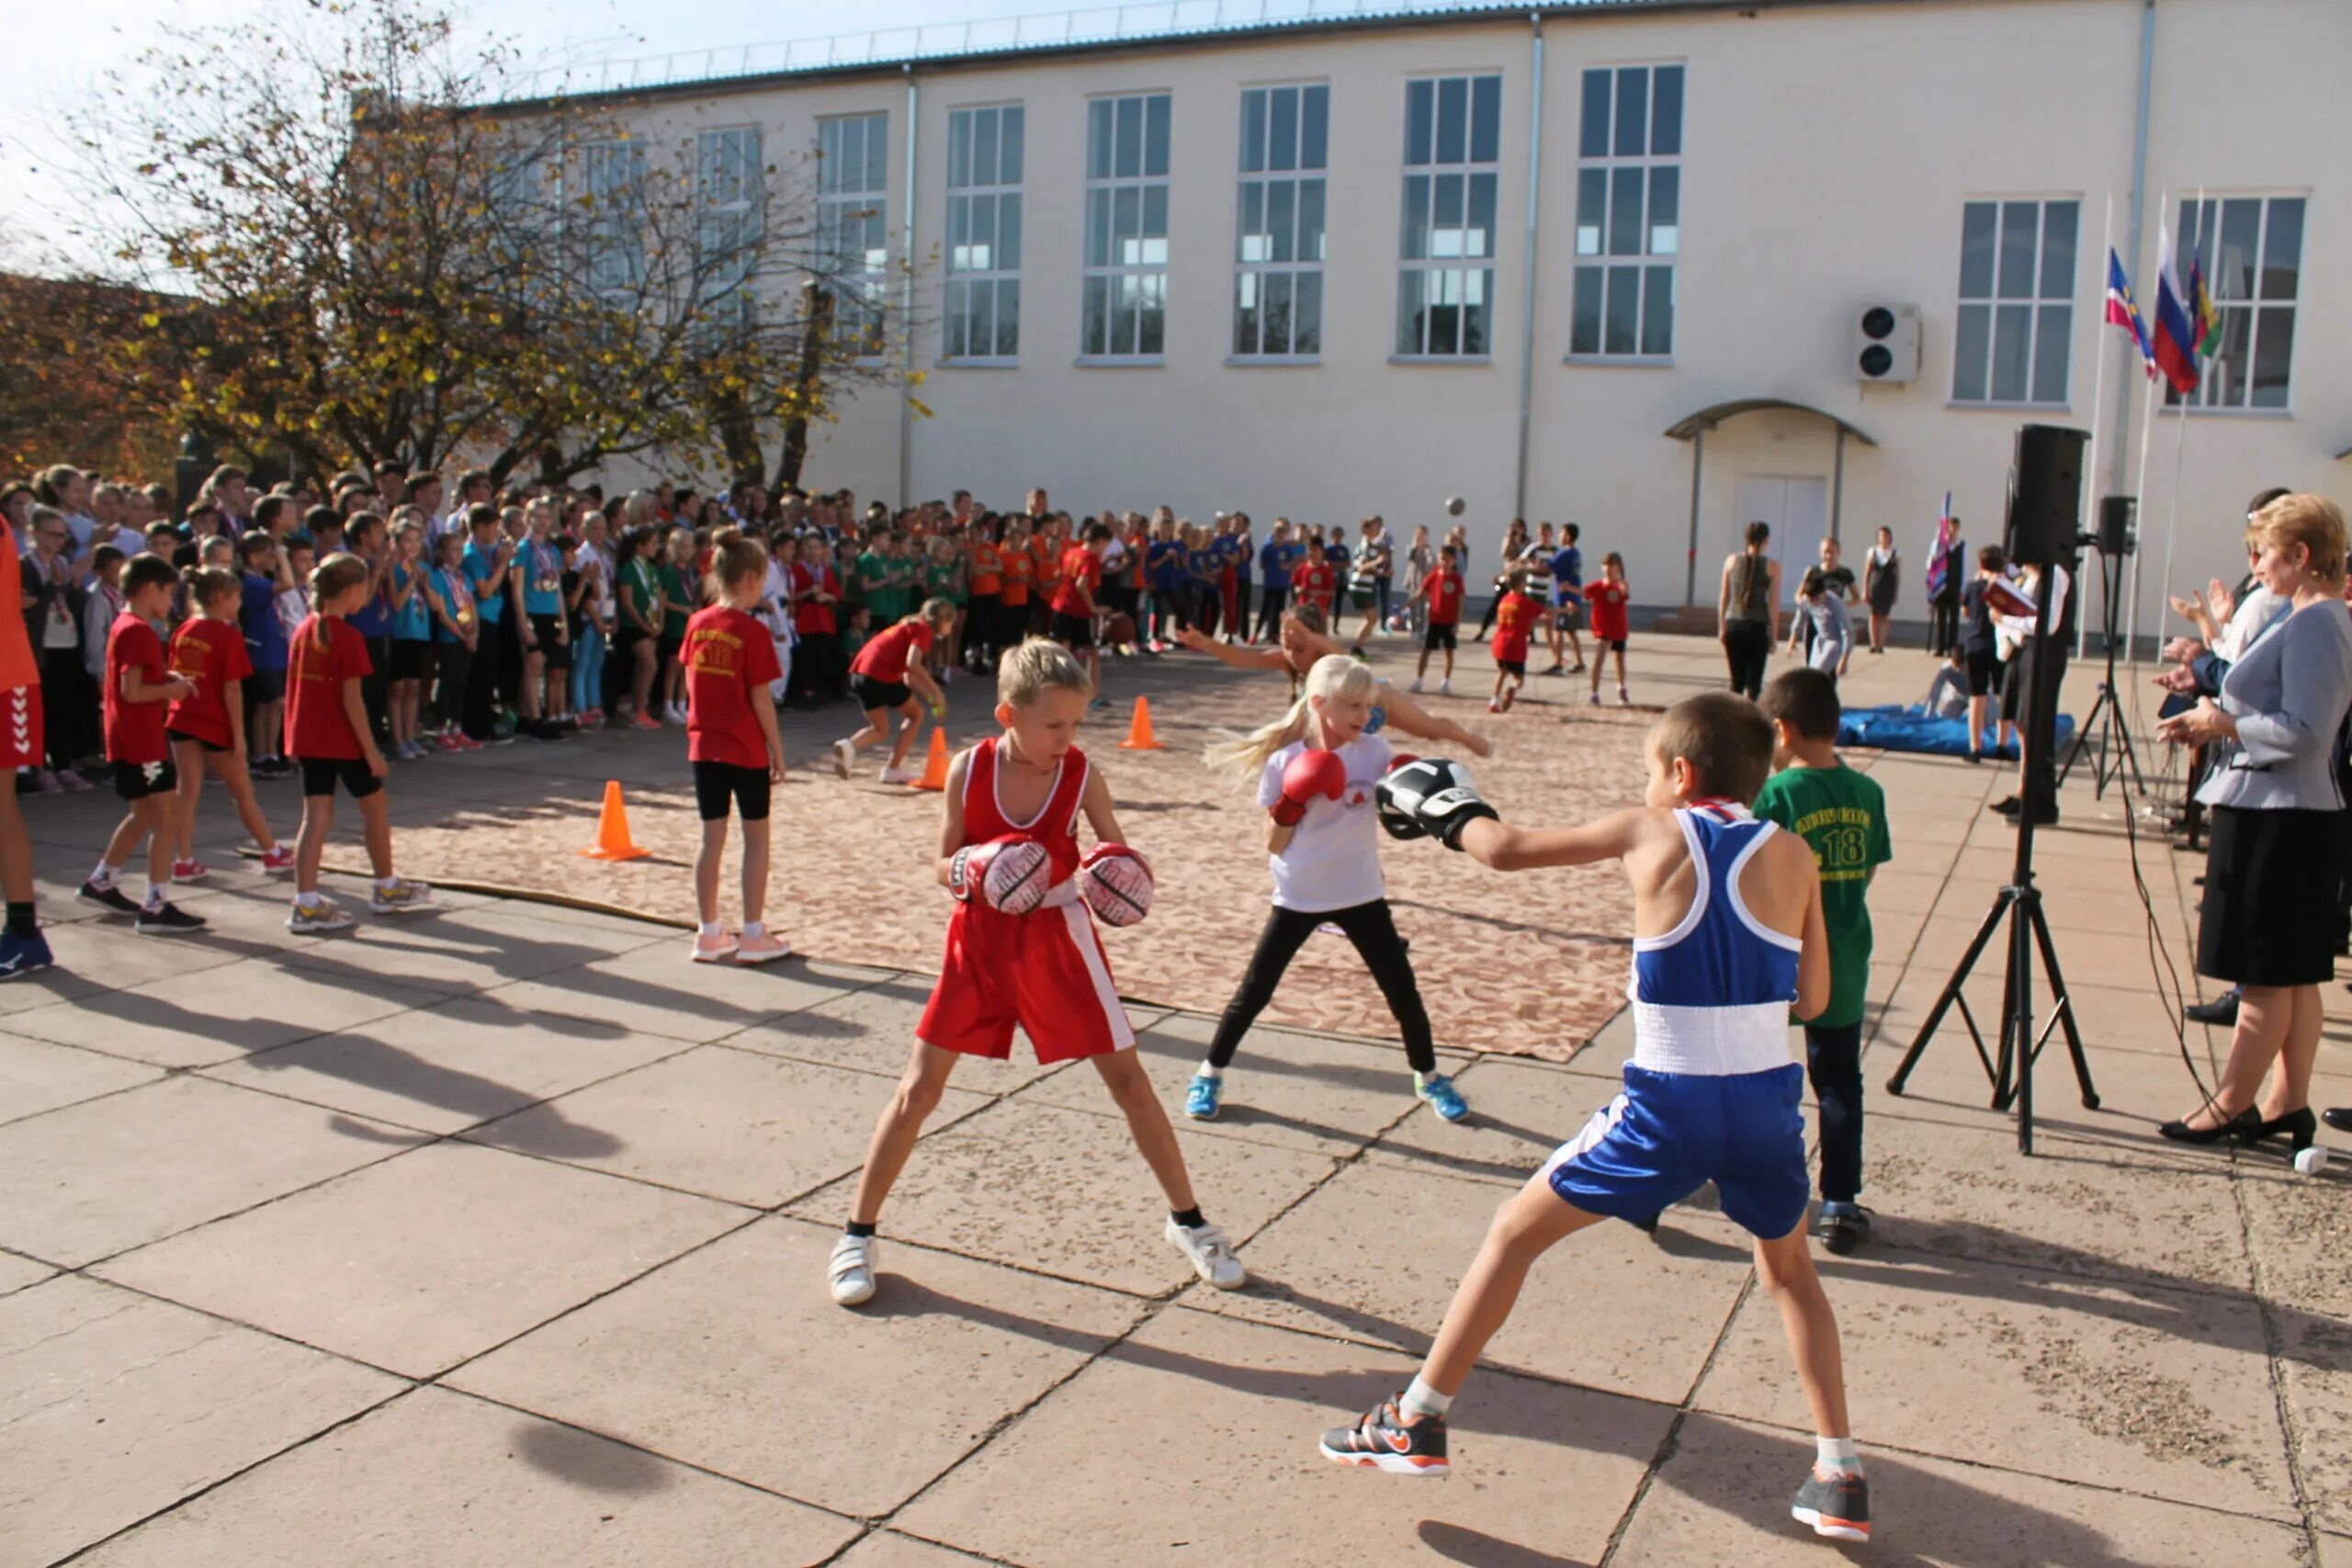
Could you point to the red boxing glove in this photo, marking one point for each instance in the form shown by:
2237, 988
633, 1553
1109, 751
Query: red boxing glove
1306, 776
1010, 875
1116, 884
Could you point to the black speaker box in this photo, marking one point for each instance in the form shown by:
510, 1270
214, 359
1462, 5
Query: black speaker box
2119, 518
2046, 500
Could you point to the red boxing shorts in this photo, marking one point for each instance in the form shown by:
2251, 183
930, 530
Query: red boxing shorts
1044, 971
22, 735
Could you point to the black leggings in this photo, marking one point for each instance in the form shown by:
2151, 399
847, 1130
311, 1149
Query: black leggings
1270, 611
1834, 1055
1374, 932
1748, 648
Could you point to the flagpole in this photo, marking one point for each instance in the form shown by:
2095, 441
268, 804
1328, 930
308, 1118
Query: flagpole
2099, 399
2181, 433
2140, 485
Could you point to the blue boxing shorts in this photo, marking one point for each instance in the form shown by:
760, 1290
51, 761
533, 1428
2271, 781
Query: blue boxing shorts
1670, 1134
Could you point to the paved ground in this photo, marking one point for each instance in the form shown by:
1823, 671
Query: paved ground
497, 1238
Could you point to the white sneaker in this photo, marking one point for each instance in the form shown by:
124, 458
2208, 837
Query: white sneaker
899, 775
1416, 686
843, 758
401, 897
1208, 1251
1445, 688
1624, 700
852, 1270
320, 919
1596, 696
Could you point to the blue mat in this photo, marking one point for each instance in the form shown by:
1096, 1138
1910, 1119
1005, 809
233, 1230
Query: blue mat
1899, 728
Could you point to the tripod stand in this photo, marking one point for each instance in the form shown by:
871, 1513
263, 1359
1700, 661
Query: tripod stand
2019, 902
2114, 733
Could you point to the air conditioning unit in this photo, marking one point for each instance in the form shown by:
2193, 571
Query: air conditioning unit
1886, 344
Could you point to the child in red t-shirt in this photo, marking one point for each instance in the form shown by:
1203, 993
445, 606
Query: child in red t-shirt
328, 736
1515, 619
208, 728
1077, 593
1022, 951
1317, 583
1607, 601
887, 677
731, 742
1443, 589
137, 689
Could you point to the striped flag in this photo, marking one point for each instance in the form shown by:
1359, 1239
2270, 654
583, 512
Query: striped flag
1940, 558
2123, 311
2175, 339
2203, 318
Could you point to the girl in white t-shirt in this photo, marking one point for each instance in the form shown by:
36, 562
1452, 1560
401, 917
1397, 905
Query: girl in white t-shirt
1316, 768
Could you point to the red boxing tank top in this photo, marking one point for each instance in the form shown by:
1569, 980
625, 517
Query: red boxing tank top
1055, 824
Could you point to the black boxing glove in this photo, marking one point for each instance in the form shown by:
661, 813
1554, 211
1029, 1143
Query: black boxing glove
1429, 796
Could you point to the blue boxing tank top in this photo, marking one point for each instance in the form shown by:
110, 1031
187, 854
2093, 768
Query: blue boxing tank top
1711, 998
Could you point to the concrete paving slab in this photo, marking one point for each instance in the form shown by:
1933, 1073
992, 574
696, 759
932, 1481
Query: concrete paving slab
2120, 1020
221, 1015
725, 1124
1730, 1480
1236, 1477
873, 1031
15, 1272
100, 954
35, 1076
458, 951
93, 1179
2300, 1229
452, 1065
1064, 1192
889, 1549
434, 1257
2137, 1089
1519, 1112
112, 1407
2116, 960
446, 1479
2157, 1392
1340, 1265
658, 991
710, 1362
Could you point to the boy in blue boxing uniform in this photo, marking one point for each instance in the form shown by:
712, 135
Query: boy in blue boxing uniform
1727, 933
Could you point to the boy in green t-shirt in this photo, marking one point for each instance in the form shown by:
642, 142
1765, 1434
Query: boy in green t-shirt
1842, 815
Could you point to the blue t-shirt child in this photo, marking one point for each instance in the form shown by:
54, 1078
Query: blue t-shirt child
1166, 564
1567, 574
1274, 561
485, 579
257, 617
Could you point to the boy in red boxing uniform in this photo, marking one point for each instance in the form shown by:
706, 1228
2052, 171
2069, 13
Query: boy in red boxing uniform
138, 688
1021, 949
1515, 620
1442, 588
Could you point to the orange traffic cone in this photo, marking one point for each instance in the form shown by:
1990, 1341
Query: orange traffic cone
612, 829
1139, 737
934, 765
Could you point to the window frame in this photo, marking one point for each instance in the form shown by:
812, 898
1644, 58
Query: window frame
997, 278
2255, 307
605, 222
2035, 304
1646, 261
748, 203
1470, 169
1298, 176
1110, 186
870, 205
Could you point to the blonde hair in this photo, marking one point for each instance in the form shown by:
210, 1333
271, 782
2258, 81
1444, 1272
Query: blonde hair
1034, 667
734, 556
330, 579
935, 613
2312, 520
1335, 676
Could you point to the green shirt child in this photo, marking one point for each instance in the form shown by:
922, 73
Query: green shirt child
1842, 815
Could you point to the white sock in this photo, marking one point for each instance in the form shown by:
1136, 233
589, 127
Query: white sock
103, 876
386, 884
1837, 1454
754, 928
155, 887
1422, 1400
1210, 1070
711, 928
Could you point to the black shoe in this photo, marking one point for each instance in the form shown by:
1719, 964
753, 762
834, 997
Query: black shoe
2222, 1012
1386, 1439
2338, 1117
2244, 1123
109, 897
1842, 1229
2009, 807
1975, 757
168, 919
1836, 1506
2299, 1127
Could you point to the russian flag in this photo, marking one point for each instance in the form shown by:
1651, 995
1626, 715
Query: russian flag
2175, 346
2123, 311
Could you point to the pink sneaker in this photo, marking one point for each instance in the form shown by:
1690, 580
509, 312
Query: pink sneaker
279, 861
764, 948
645, 721
716, 949
189, 871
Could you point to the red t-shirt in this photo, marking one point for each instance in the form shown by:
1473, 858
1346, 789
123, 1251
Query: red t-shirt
316, 725
1514, 621
1444, 590
1019, 567
811, 618
1081, 568
1317, 584
884, 657
727, 657
211, 654
134, 730
1607, 600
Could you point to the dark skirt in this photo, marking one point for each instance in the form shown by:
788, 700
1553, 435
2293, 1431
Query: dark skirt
1884, 586
2269, 914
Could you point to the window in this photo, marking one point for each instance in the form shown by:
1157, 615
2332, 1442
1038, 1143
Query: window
852, 182
984, 150
2017, 311
2252, 249
612, 176
1446, 287
1278, 288
1125, 312
729, 179
1629, 212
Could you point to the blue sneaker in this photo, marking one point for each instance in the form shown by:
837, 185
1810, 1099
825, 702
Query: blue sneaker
1200, 1101
1446, 1099
20, 955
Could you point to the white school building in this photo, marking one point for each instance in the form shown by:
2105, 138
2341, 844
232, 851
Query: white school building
1607, 261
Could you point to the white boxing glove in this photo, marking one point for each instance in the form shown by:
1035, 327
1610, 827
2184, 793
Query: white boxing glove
1010, 875
1116, 884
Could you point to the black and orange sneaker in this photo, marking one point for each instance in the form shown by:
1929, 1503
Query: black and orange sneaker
1836, 1504
1388, 1439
